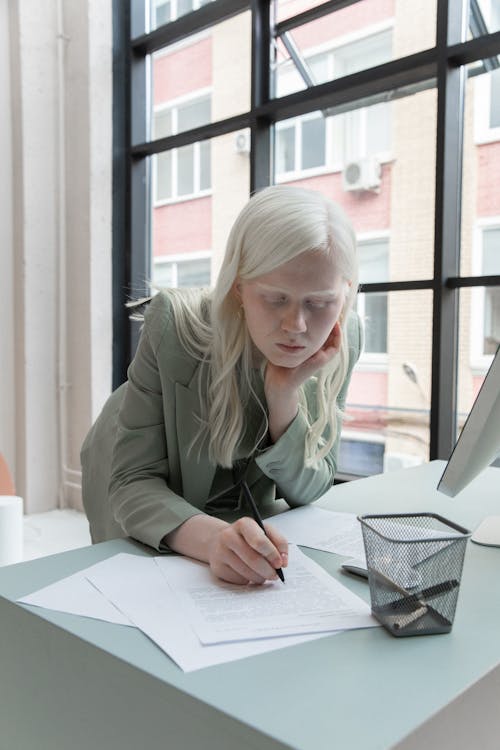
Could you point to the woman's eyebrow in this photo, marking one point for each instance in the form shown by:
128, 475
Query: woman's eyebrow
318, 293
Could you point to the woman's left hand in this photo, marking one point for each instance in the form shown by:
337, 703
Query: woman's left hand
281, 384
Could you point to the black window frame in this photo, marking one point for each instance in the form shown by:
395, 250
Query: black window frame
442, 67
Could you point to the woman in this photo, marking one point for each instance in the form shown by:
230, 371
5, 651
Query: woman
247, 380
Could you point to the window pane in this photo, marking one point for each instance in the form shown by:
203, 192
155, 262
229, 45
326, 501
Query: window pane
390, 194
162, 123
491, 320
163, 275
163, 176
200, 223
378, 129
165, 11
161, 12
360, 36
479, 338
373, 258
285, 150
375, 323
205, 78
495, 98
194, 272
313, 143
205, 165
491, 252
193, 114
480, 231
485, 13
185, 168
388, 404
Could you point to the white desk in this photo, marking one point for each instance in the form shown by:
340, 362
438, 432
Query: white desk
68, 682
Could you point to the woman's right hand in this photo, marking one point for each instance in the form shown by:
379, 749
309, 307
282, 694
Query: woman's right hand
239, 552
242, 553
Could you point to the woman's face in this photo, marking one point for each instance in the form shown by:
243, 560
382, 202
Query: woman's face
291, 311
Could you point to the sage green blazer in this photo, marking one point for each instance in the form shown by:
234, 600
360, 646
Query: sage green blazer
138, 477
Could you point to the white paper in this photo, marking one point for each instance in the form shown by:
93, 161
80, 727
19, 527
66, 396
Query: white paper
136, 585
76, 596
322, 529
310, 601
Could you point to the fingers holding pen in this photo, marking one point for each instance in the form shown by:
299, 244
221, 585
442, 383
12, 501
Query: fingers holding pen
242, 552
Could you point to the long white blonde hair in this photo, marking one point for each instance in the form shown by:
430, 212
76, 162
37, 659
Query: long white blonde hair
277, 224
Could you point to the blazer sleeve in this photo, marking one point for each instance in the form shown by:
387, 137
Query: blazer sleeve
139, 494
284, 461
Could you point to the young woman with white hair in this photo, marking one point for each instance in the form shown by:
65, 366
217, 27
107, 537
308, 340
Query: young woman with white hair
245, 381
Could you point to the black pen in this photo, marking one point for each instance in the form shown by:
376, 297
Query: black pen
257, 518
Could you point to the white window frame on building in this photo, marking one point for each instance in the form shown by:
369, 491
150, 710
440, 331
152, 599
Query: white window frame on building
339, 128
199, 151
172, 9
373, 359
483, 91
176, 260
480, 360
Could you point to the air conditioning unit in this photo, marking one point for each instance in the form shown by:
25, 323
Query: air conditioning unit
363, 174
242, 142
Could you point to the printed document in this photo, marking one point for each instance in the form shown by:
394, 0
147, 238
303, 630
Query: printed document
321, 529
136, 585
310, 601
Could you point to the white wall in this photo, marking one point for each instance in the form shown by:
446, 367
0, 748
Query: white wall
55, 272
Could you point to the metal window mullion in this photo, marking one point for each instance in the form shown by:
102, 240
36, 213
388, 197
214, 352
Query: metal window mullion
121, 191
449, 153
260, 131
140, 183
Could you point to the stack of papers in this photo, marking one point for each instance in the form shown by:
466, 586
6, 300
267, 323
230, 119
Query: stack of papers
199, 620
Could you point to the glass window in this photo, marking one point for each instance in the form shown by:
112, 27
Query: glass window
188, 235
494, 120
372, 307
182, 273
387, 409
360, 36
490, 267
184, 171
164, 11
313, 143
381, 196
203, 78
487, 11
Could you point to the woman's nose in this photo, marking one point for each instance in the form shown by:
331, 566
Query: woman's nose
293, 320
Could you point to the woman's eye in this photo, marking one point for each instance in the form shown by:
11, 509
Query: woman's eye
316, 304
276, 301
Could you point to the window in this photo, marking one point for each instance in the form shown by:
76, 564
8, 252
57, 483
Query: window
491, 301
372, 308
164, 11
182, 271
300, 145
184, 171
317, 140
357, 99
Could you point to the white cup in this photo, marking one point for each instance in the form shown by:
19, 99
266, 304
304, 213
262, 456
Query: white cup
11, 529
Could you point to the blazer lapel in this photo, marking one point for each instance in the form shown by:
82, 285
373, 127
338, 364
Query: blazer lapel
197, 471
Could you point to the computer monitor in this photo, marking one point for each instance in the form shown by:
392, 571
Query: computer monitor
476, 448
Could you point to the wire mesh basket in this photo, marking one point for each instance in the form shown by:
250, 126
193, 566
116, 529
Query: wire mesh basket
415, 564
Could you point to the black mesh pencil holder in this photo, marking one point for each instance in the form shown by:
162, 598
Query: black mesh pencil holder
414, 565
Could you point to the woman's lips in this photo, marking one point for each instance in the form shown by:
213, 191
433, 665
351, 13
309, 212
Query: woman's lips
290, 349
